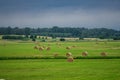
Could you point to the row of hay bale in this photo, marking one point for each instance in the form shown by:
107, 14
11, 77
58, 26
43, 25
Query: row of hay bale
71, 59
83, 54
86, 53
70, 56
49, 48
41, 48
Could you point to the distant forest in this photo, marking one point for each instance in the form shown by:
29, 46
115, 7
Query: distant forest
63, 32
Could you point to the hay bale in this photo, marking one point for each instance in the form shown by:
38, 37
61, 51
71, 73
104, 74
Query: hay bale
68, 48
41, 48
36, 47
70, 59
68, 54
56, 54
48, 48
103, 54
84, 53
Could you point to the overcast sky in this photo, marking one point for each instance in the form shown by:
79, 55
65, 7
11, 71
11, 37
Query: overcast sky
63, 13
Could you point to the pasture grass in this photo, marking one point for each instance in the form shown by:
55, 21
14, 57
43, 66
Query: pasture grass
20, 61
60, 69
25, 49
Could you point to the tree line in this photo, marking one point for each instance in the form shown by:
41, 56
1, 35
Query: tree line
63, 32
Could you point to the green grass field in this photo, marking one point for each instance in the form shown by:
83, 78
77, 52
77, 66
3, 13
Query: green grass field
60, 69
21, 48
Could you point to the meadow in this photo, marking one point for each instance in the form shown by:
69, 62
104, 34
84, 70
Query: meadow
22, 48
59, 69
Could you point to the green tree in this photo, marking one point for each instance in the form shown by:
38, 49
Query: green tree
62, 39
27, 31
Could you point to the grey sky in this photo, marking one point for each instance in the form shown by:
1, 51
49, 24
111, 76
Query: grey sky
63, 13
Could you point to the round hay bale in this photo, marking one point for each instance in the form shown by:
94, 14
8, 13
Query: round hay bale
68, 48
68, 54
36, 47
48, 48
84, 53
70, 59
41, 48
103, 54
56, 54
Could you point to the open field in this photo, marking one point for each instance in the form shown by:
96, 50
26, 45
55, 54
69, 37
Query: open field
60, 69
22, 48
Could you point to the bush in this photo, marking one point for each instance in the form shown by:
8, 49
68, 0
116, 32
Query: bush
43, 40
27, 36
33, 39
116, 38
62, 39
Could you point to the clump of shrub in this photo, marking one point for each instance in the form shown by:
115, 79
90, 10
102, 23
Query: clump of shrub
116, 38
33, 39
62, 39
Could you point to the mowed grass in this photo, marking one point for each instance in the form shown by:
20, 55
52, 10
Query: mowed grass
60, 69
22, 48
